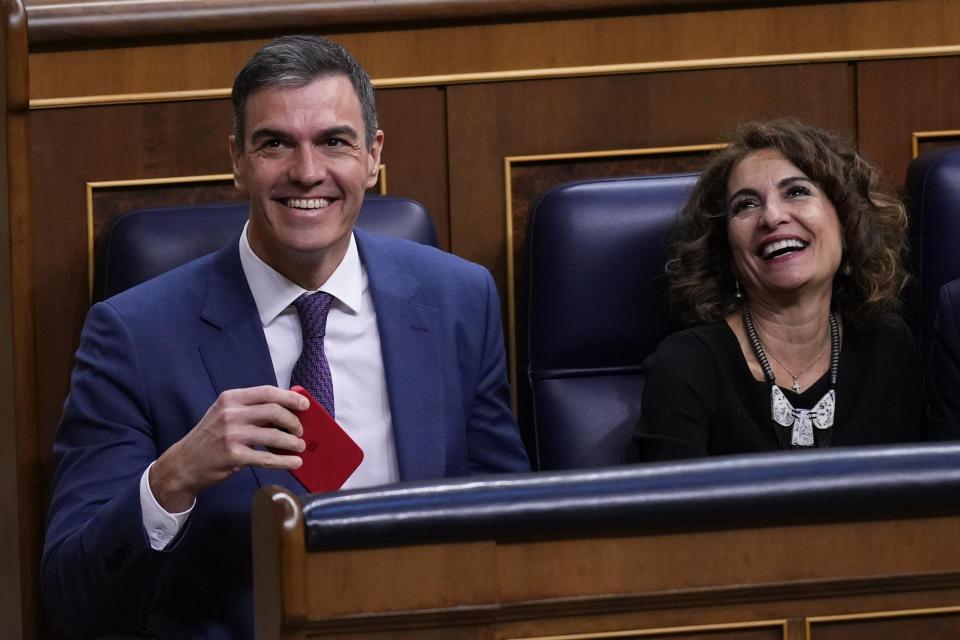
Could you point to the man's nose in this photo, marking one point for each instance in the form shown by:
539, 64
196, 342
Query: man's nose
307, 166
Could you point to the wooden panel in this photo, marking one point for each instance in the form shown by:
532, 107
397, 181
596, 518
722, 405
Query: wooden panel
522, 45
70, 148
677, 609
691, 561
21, 513
55, 23
707, 583
415, 150
921, 625
421, 577
774, 632
608, 113
896, 98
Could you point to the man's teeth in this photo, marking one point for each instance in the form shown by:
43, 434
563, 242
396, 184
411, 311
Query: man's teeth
312, 203
782, 246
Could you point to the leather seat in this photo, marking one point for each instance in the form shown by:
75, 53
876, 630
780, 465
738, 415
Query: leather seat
597, 309
144, 243
933, 187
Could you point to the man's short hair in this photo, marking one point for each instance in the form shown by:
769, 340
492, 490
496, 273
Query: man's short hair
296, 61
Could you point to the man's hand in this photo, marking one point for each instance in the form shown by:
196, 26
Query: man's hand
224, 442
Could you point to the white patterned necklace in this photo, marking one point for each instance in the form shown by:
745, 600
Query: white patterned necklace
782, 412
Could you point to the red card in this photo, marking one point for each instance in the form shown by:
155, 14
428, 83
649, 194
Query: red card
331, 455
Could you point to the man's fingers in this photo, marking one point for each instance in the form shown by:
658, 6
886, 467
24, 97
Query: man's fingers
268, 415
276, 439
270, 460
266, 394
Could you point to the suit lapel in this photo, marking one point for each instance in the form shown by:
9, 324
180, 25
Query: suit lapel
237, 356
411, 344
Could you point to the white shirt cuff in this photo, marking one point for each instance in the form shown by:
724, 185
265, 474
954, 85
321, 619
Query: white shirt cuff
160, 525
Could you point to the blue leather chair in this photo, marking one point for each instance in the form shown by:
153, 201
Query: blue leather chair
142, 244
933, 187
597, 309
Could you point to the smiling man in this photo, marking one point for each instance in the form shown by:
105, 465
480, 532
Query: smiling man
168, 429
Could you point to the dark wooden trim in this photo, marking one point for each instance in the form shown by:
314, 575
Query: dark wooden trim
70, 24
620, 603
22, 505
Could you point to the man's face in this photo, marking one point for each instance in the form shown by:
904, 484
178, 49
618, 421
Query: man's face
305, 167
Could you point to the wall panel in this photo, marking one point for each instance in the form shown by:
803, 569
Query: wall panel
896, 98
458, 97
442, 47
70, 148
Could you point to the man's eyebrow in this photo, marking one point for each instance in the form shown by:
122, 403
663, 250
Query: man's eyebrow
267, 132
343, 130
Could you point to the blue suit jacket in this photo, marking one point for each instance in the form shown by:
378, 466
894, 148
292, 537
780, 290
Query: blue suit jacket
943, 367
154, 358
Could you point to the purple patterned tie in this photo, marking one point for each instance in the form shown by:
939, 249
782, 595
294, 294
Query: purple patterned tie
312, 371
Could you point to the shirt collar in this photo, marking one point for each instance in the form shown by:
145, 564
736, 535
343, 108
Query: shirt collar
273, 292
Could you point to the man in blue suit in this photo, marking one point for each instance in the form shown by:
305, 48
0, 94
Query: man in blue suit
167, 431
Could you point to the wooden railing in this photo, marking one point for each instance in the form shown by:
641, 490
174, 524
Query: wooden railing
847, 544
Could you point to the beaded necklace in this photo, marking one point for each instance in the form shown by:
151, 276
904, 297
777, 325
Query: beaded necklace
781, 411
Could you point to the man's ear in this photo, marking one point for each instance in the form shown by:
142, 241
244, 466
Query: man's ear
373, 159
236, 156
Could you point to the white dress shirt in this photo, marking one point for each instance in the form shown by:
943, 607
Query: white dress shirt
352, 347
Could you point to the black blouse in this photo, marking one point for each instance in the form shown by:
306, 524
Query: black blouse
701, 399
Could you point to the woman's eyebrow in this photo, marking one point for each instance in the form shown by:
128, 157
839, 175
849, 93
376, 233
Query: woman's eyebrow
793, 179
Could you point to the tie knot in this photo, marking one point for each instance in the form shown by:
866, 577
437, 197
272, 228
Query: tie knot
312, 309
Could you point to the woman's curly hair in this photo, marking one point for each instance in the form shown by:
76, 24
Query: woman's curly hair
872, 218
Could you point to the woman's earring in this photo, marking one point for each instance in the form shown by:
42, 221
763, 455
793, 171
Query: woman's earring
737, 293
847, 269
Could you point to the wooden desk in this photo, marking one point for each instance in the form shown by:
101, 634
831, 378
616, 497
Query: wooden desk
824, 577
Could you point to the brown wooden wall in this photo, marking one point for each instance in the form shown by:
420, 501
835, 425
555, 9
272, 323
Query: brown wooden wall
477, 100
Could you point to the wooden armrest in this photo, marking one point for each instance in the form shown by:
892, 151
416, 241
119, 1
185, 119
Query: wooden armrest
280, 595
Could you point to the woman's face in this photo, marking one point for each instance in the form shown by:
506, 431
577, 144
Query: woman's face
783, 230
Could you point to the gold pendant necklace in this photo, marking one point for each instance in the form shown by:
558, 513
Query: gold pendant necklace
796, 376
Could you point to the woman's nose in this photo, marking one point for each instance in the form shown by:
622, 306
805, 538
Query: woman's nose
774, 213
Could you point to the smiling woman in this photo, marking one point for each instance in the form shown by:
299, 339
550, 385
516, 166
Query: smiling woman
789, 257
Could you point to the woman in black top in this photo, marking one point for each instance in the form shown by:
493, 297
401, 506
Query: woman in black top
789, 255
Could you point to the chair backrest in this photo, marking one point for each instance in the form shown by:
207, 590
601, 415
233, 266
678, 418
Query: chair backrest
142, 244
597, 309
933, 187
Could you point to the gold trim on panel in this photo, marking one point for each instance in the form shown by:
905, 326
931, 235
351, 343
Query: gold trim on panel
537, 74
724, 626
91, 186
508, 163
924, 135
878, 615
671, 65
129, 98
